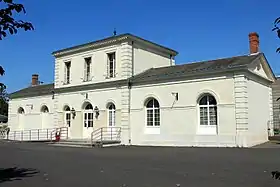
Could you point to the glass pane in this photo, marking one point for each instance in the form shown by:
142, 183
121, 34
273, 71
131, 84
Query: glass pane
150, 117
90, 116
67, 108
212, 100
150, 104
213, 115
156, 104
68, 123
89, 107
85, 116
203, 100
112, 106
203, 116
90, 124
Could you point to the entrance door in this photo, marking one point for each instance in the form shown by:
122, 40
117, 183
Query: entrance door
88, 124
111, 132
68, 122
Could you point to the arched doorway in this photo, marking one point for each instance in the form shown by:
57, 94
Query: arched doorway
45, 117
21, 115
111, 112
87, 120
67, 118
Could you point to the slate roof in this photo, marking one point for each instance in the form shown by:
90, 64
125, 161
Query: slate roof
190, 69
152, 75
44, 89
110, 40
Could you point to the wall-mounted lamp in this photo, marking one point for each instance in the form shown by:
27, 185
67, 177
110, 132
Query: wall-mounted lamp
52, 94
96, 110
176, 95
73, 112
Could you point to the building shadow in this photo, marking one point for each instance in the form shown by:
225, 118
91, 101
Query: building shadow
11, 174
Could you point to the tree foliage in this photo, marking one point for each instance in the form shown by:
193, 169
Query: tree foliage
277, 30
9, 25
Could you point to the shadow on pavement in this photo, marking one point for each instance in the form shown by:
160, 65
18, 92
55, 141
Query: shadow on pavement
11, 174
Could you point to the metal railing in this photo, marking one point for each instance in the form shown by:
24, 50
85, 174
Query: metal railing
106, 134
36, 134
63, 131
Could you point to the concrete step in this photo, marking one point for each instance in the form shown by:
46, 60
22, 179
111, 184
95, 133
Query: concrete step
86, 143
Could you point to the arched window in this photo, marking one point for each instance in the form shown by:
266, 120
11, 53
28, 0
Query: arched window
44, 109
88, 115
20, 110
208, 110
111, 114
153, 113
67, 115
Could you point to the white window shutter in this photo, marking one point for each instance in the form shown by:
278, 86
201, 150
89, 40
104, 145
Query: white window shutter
65, 73
108, 67
85, 70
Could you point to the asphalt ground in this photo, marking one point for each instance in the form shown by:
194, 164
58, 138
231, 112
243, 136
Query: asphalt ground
38, 164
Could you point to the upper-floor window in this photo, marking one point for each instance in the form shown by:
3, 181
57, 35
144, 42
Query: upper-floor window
87, 69
111, 65
67, 72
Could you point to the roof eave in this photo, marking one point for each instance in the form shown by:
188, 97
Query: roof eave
234, 69
110, 41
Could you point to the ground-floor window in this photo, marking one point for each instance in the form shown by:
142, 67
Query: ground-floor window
111, 115
67, 116
208, 110
88, 119
153, 113
88, 115
207, 106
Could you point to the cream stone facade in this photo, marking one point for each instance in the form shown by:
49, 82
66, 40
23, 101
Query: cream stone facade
128, 82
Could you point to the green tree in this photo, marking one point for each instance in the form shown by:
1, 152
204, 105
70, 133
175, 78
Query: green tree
277, 30
9, 25
3, 100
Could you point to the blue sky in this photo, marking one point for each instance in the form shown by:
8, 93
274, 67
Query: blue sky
198, 30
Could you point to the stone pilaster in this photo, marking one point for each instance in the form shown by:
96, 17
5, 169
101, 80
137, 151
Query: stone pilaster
241, 109
126, 72
56, 74
126, 60
56, 120
270, 123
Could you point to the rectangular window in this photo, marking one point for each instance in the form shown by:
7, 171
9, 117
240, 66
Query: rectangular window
111, 65
87, 73
67, 72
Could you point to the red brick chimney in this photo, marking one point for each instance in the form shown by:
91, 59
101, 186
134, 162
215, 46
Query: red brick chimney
35, 80
254, 42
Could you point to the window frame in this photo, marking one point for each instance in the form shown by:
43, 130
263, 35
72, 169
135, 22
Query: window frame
154, 110
88, 69
67, 72
86, 113
67, 112
113, 113
113, 74
207, 128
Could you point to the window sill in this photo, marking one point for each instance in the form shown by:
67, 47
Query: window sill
207, 129
152, 130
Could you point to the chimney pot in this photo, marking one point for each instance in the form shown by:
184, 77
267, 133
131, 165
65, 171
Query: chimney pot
35, 80
254, 42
